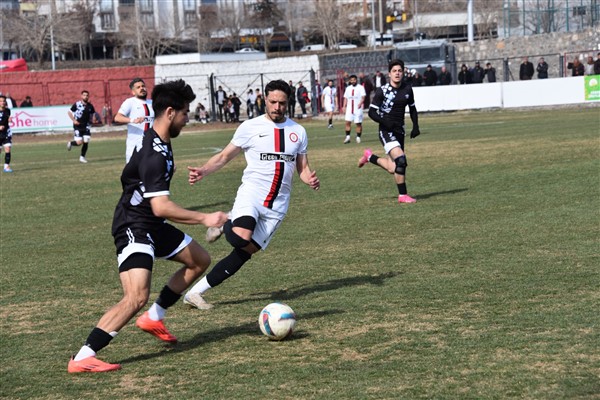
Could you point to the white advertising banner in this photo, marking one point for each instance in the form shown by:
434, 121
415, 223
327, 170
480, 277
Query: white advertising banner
36, 119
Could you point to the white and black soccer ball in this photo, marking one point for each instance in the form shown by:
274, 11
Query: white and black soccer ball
277, 321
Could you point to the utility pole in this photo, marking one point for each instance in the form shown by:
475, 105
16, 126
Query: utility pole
470, 20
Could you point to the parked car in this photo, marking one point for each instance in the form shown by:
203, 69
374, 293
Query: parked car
313, 47
344, 46
248, 50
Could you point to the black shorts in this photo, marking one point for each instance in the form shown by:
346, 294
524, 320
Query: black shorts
164, 242
389, 139
6, 140
81, 132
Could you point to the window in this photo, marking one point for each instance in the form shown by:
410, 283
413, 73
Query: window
146, 6
190, 19
189, 5
106, 6
107, 21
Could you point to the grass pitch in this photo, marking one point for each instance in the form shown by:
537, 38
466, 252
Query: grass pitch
487, 287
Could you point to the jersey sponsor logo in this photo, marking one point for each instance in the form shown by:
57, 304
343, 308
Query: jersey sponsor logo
277, 157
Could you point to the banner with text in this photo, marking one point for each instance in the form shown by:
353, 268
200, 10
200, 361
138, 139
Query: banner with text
592, 87
36, 119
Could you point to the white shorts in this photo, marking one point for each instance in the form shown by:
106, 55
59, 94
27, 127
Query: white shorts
356, 116
329, 107
131, 143
267, 220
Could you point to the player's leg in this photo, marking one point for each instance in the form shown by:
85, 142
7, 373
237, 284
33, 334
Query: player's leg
7, 145
77, 140
358, 131
84, 148
347, 126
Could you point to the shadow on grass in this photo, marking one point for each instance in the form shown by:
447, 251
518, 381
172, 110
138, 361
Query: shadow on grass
217, 335
251, 328
300, 291
433, 194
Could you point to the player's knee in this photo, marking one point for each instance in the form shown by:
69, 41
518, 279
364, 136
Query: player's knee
233, 238
400, 165
86, 139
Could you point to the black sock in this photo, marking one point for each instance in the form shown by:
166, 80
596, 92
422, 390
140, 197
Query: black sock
373, 159
402, 188
74, 143
6, 158
98, 339
330, 121
167, 297
227, 267
347, 133
84, 149
358, 134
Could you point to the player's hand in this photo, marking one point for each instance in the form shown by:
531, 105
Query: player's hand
415, 132
216, 219
313, 181
194, 175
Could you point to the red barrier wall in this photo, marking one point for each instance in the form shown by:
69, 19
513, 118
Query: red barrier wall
51, 88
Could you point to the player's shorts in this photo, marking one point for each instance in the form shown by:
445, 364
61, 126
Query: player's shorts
356, 116
329, 107
82, 133
389, 140
267, 221
164, 242
132, 142
6, 141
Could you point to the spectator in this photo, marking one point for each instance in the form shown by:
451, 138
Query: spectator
201, 114
464, 76
430, 76
236, 107
589, 67
378, 79
303, 98
106, 114
10, 102
542, 69
597, 65
577, 67
526, 70
260, 102
221, 98
417, 78
490, 72
318, 93
292, 101
251, 104
27, 102
368, 85
445, 77
477, 73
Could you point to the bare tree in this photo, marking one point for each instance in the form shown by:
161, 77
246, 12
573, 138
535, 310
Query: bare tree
334, 21
231, 22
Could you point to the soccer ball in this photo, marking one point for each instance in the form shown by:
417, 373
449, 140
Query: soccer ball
277, 321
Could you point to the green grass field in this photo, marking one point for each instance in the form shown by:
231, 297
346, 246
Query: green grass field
487, 288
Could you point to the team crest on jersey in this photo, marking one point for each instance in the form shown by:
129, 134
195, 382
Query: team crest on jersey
293, 137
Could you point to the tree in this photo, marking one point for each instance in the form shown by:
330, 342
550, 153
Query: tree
334, 21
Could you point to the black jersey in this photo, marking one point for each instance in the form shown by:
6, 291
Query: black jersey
83, 113
393, 101
4, 121
147, 174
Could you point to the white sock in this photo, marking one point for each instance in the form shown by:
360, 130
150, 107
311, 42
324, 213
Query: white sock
200, 287
85, 352
156, 312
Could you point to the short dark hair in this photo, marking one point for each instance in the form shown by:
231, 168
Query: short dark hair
134, 81
395, 62
85, 91
278, 84
176, 94
2, 96
353, 76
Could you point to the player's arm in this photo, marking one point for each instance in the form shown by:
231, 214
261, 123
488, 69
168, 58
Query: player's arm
414, 117
215, 163
124, 119
72, 117
163, 207
362, 102
306, 174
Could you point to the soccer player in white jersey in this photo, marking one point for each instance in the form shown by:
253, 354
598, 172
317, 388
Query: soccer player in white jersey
274, 146
329, 101
138, 114
354, 98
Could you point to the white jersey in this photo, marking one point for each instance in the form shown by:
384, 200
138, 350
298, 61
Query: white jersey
329, 94
135, 108
354, 95
270, 149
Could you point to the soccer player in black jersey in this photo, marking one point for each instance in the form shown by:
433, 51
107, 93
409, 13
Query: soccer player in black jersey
142, 234
5, 133
81, 113
387, 108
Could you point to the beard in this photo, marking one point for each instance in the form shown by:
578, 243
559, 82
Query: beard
174, 131
142, 96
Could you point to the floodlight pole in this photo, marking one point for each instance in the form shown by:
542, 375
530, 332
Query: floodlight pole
470, 20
